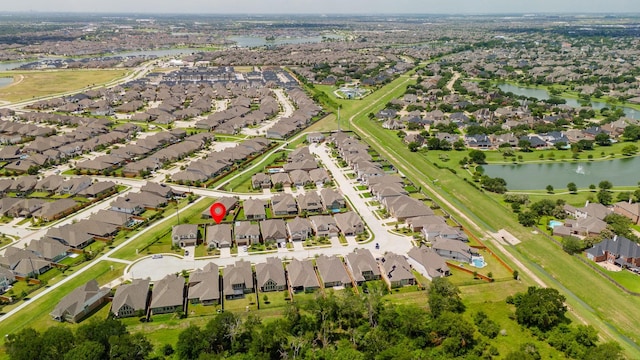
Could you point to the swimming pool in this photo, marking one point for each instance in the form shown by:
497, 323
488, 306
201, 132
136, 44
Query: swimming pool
478, 261
554, 223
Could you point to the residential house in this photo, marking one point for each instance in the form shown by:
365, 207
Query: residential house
427, 262
418, 223
219, 236
332, 271
127, 206
404, 207
274, 231
254, 209
167, 295
324, 225
98, 189
300, 178
48, 249
442, 229
580, 226
80, 302
230, 203
246, 233
315, 137
270, 275
453, 249
283, 205
302, 276
71, 235
161, 190
281, 178
309, 202
55, 210
363, 266
332, 200
184, 235
299, 229
131, 299
628, 209
619, 251
396, 271
204, 285
7, 278
349, 223
237, 280
261, 181
319, 176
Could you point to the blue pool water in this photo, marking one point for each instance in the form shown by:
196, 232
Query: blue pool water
478, 262
554, 223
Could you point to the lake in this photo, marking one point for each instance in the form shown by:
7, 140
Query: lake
542, 94
621, 172
4, 81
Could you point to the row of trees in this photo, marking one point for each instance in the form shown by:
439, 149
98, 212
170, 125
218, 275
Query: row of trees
96, 340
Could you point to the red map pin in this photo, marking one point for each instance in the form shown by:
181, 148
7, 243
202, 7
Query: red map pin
218, 212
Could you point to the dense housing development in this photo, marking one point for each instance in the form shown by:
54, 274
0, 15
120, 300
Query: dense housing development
319, 187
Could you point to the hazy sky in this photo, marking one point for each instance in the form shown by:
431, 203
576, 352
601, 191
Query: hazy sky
324, 6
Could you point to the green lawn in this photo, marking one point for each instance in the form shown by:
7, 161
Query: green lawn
160, 230
241, 305
625, 278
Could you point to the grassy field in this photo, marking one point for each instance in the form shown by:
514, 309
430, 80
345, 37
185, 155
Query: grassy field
574, 279
34, 84
160, 230
36, 315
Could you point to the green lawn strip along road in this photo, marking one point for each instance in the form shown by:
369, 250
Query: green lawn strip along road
36, 314
595, 292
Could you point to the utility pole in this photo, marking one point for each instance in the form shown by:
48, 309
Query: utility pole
339, 106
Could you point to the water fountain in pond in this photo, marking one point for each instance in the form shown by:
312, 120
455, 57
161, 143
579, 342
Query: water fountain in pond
580, 170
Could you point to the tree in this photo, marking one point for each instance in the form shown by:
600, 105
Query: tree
100, 331
527, 218
572, 187
631, 132
191, 343
542, 308
550, 189
605, 185
605, 351
477, 156
524, 145
629, 150
57, 341
603, 139
571, 244
459, 145
24, 345
604, 197
433, 143
87, 350
455, 334
527, 351
444, 296
126, 347
413, 146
